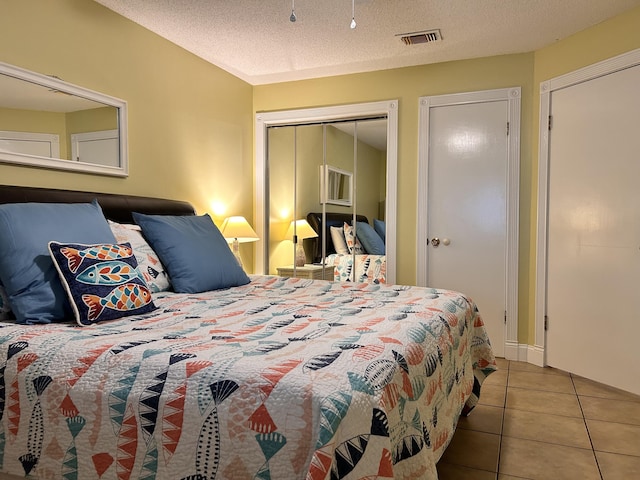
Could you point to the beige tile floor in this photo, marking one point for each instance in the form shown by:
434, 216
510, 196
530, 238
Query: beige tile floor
542, 423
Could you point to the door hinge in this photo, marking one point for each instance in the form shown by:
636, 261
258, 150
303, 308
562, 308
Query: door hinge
546, 323
507, 129
550, 122
505, 317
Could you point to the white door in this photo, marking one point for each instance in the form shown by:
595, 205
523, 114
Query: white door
99, 148
593, 260
28, 143
467, 207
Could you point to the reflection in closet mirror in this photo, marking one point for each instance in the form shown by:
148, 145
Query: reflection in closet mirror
46, 122
297, 159
336, 186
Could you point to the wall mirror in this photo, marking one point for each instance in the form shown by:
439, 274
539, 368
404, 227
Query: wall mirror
46, 122
296, 149
336, 186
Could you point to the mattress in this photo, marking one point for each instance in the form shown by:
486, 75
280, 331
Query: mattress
277, 379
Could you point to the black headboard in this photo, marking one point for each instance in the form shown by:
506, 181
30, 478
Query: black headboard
332, 220
115, 207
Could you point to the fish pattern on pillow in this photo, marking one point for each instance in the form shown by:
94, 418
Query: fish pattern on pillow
353, 244
103, 282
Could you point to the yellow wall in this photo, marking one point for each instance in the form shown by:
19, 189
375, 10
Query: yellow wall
32, 121
367, 172
190, 123
92, 120
407, 85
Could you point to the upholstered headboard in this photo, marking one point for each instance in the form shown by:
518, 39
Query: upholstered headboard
332, 220
115, 207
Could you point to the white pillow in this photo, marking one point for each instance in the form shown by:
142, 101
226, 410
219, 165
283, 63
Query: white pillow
149, 264
339, 243
353, 244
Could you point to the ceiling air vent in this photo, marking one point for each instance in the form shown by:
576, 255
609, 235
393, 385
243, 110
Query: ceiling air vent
428, 36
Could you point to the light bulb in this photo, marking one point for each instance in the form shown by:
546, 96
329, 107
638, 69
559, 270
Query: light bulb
353, 14
293, 18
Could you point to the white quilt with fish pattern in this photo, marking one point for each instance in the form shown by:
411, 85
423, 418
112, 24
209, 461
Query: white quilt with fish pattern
278, 379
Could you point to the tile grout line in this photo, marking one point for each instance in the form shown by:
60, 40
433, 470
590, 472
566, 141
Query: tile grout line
504, 408
586, 425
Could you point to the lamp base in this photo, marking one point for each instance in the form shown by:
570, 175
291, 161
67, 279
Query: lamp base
301, 258
235, 248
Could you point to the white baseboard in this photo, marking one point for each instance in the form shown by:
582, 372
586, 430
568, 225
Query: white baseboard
511, 351
535, 355
522, 352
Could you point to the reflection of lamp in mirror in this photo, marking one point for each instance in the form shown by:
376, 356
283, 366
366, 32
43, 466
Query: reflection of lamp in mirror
299, 230
237, 230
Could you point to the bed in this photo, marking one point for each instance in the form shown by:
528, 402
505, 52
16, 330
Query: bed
361, 257
279, 378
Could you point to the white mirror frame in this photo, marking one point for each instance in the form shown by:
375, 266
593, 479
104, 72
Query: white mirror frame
325, 196
266, 119
61, 164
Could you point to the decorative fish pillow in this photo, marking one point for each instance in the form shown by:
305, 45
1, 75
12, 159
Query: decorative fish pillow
353, 244
102, 281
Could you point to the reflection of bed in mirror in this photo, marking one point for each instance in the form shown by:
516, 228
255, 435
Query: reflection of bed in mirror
361, 260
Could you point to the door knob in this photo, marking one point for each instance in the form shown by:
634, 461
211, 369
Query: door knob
435, 241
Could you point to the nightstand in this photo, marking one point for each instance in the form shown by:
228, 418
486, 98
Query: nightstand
313, 272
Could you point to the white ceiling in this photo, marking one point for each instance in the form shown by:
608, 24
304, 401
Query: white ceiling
24, 95
254, 39
372, 132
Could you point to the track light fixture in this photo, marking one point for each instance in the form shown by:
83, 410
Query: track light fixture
293, 18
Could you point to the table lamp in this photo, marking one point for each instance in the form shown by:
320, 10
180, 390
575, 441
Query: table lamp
237, 230
299, 230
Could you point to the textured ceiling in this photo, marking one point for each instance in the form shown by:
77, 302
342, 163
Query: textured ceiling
254, 39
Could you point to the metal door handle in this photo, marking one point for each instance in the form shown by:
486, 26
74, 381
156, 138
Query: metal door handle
435, 241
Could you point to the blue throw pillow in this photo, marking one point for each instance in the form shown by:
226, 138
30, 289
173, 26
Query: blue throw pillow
194, 252
26, 269
381, 229
369, 239
102, 281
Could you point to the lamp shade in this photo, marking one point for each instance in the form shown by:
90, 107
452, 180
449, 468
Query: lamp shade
302, 230
237, 228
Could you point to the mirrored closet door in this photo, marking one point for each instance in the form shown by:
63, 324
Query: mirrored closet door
326, 181
323, 167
